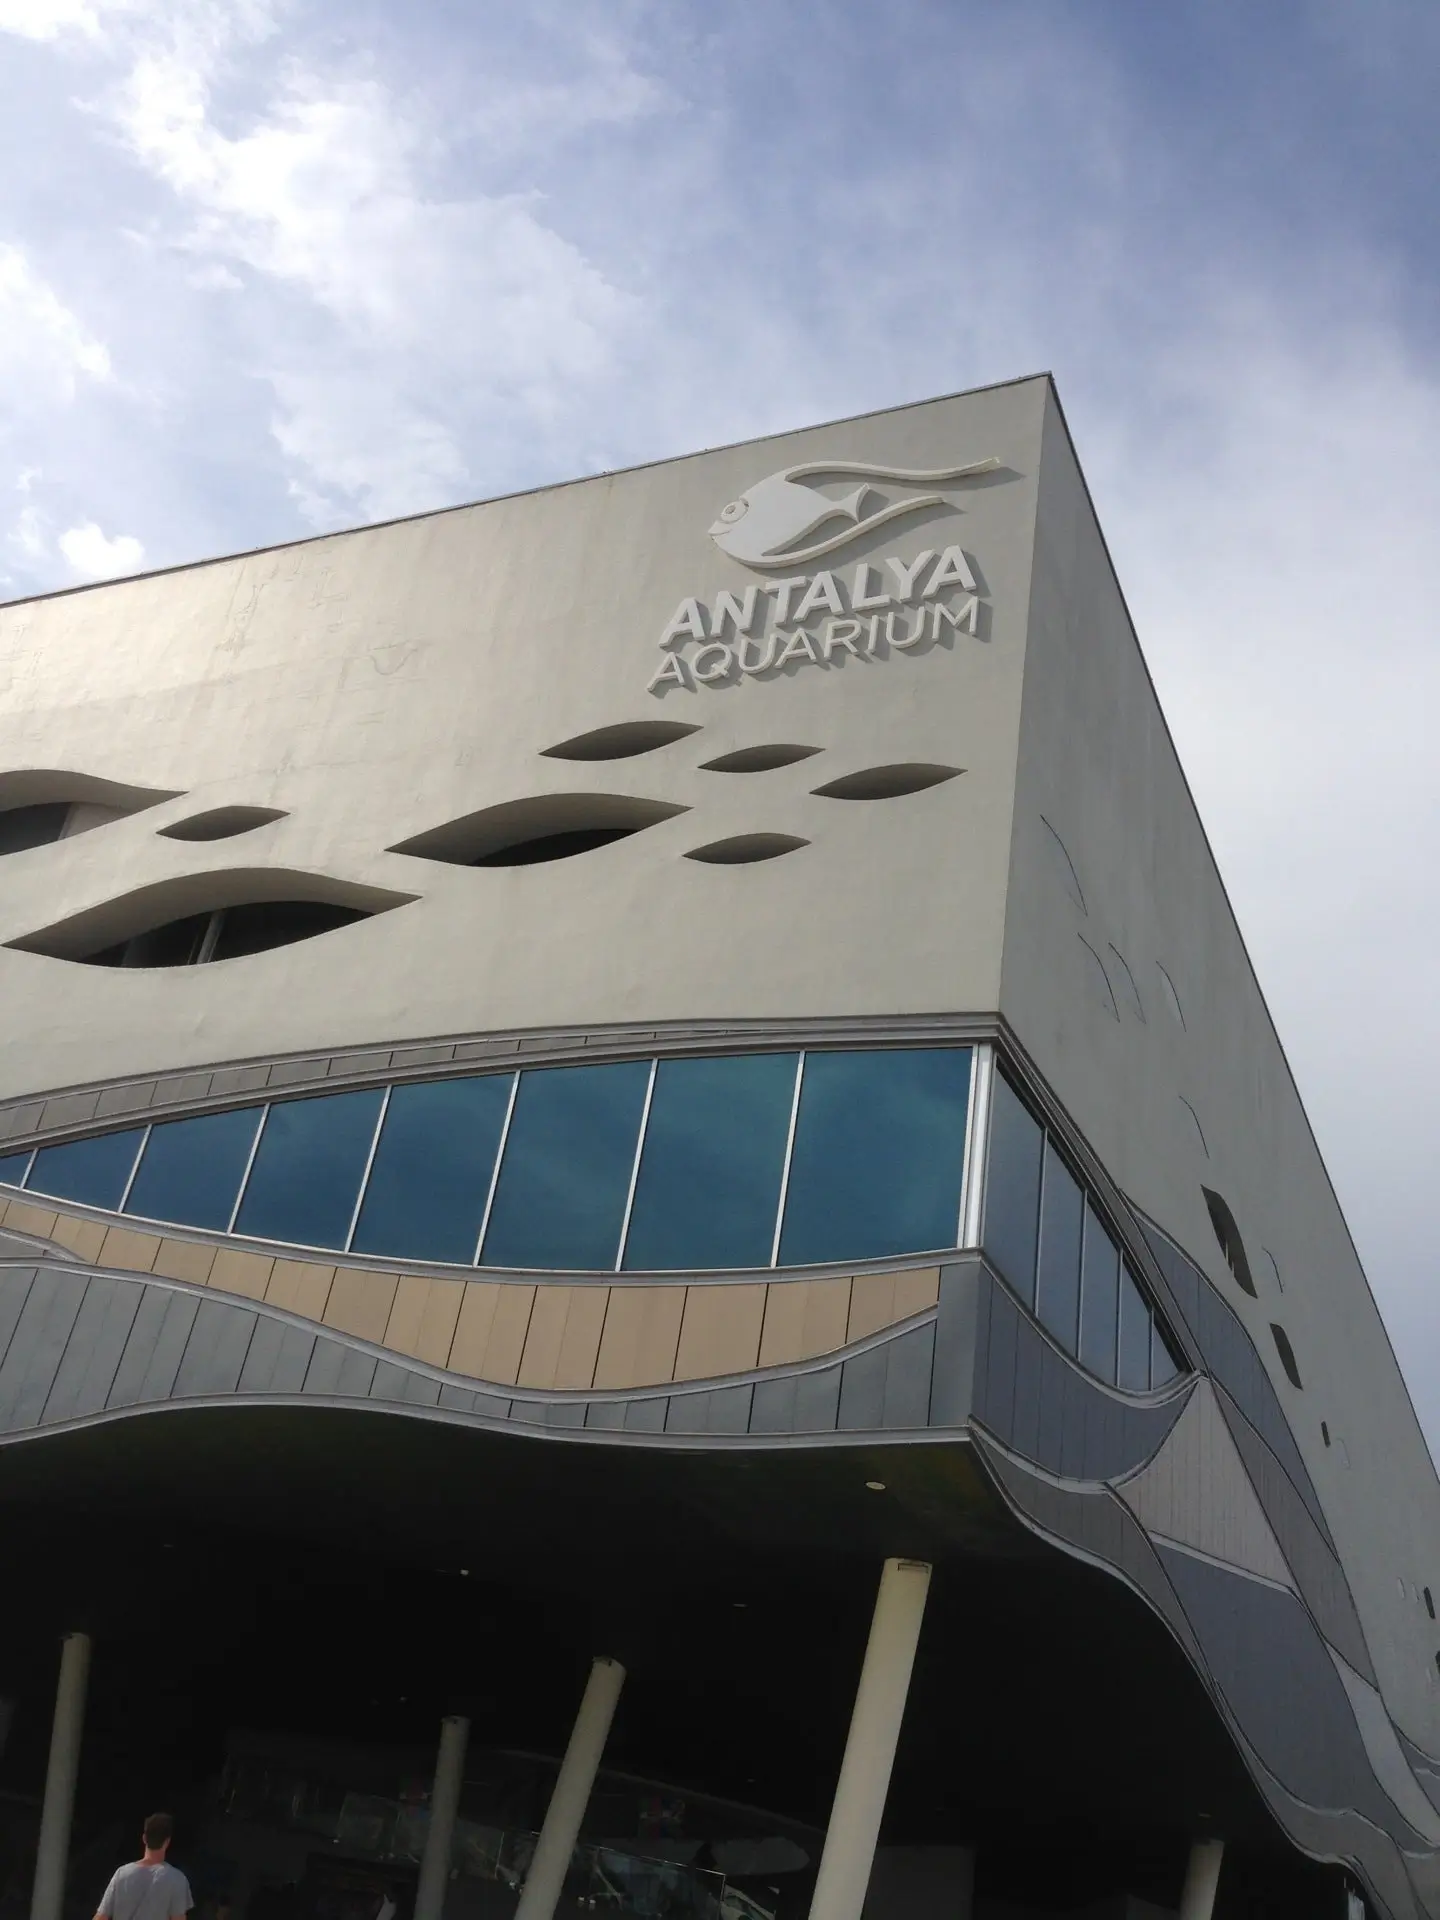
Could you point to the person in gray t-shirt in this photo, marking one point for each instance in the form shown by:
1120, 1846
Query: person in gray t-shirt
149, 1888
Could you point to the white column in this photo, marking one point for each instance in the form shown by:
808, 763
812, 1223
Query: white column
870, 1749
1202, 1877
572, 1791
53, 1850
444, 1803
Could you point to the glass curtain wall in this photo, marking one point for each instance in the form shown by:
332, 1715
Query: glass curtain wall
1046, 1238
738, 1161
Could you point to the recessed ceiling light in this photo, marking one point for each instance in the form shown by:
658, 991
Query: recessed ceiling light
876, 1486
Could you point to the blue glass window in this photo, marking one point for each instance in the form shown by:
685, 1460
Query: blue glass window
12, 1169
92, 1172
709, 1186
426, 1195
879, 1151
565, 1177
1062, 1209
1162, 1361
306, 1177
1133, 1371
190, 1171
1012, 1190
1099, 1300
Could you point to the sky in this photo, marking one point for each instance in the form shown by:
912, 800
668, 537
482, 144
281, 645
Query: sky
269, 267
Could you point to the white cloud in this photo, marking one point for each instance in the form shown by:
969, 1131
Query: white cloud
44, 347
92, 556
47, 19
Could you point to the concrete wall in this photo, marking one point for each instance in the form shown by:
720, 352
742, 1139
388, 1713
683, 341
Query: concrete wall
1097, 763
380, 683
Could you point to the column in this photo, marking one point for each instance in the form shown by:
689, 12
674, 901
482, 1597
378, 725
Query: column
864, 1782
444, 1803
1202, 1877
53, 1851
572, 1791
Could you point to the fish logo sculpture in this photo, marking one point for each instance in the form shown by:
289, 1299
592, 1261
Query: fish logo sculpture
772, 523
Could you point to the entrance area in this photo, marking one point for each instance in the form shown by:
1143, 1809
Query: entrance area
284, 1604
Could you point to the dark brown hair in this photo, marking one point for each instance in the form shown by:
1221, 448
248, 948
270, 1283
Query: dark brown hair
158, 1829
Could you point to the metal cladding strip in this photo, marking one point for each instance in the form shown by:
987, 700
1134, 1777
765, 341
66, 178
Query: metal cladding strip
1229, 1355
1094, 1525
1318, 1571
63, 1329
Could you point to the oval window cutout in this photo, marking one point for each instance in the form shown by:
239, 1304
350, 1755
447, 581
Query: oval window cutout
1287, 1355
621, 742
745, 849
549, 826
887, 783
221, 823
759, 759
1231, 1245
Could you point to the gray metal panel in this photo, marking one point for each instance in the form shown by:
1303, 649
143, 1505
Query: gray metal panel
389, 1382
490, 1405
459, 1398
530, 1413
1031, 1350
817, 1401
1004, 1331
155, 1348
1230, 1355
258, 1372
323, 1373
909, 1363
957, 1333
564, 1413
1317, 1572
1075, 1415
1058, 1386
215, 1351
15, 1285
38, 1345
646, 1416
862, 1392
420, 1390
606, 1416
721, 1410
772, 1407
356, 1375
92, 1355
1281, 1685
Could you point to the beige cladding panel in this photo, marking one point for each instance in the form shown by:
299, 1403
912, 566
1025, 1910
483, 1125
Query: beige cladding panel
235, 1271
300, 1286
188, 1260
720, 1332
124, 1248
22, 1217
378, 684
84, 1238
804, 1318
641, 1336
360, 1302
490, 1332
422, 1320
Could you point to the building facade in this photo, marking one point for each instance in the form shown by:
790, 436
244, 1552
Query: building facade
694, 1010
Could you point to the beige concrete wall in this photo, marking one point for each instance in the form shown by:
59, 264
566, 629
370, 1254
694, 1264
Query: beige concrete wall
379, 683
1096, 761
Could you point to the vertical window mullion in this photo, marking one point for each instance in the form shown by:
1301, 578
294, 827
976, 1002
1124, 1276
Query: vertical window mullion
635, 1166
977, 1148
249, 1167
789, 1157
210, 939
495, 1170
369, 1163
29, 1169
135, 1165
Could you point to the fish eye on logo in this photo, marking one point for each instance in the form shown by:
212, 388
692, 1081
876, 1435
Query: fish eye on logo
775, 522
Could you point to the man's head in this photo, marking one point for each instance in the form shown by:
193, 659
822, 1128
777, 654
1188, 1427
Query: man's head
157, 1831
